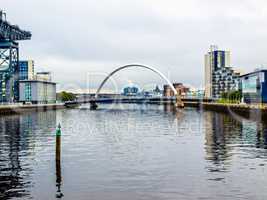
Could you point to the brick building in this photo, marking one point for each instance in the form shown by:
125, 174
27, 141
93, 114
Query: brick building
180, 88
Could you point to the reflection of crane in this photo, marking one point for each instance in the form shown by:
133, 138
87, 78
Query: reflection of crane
11, 180
9, 57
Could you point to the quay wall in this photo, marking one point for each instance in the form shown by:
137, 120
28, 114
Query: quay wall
17, 109
245, 110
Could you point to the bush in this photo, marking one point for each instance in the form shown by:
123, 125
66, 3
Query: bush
231, 97
66, 96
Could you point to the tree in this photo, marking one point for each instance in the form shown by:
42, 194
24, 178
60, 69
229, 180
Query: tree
66, 96
232, 96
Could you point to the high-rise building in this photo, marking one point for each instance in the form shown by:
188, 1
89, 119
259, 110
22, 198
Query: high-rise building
26, 70
219, 76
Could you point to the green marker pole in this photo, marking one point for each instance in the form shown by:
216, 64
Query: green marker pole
58, 131
59, 193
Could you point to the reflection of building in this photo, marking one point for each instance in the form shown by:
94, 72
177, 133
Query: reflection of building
36, 91
254, 87
219, 76
179, 87
26, 70
18, 135
10, 165
220, 131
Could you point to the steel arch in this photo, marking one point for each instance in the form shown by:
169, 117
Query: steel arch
136, 65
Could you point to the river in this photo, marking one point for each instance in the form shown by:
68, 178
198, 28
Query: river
133, 152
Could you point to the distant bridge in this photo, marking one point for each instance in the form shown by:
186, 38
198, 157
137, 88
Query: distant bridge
124, 99
176, 99
138, 66
179, 103
138, 100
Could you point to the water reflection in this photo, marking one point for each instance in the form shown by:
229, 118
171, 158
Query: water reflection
139, 153
261, 135
11, 182
220, 129
225, 135
17, 136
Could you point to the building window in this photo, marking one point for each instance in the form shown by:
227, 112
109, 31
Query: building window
28, 96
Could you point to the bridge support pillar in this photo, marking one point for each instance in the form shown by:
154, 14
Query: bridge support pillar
93, 105
179, 103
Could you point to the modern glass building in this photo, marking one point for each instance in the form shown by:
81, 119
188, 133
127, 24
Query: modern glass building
219, 76
130, 90
254, 87
26, 70
37, 92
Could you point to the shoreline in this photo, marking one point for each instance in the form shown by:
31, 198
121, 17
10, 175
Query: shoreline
19, 109
251, 111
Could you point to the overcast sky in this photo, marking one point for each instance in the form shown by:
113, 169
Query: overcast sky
74, 38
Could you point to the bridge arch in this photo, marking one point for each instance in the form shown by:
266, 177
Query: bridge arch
140, 66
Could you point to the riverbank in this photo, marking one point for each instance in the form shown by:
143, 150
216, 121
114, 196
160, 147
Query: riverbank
19, 108
255, 111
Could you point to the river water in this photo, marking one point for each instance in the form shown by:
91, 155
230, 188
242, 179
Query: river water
132, 152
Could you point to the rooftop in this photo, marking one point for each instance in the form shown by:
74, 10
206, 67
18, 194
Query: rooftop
254, 72
39, 81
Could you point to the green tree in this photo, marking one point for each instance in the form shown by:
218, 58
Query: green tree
66, 96
231, 97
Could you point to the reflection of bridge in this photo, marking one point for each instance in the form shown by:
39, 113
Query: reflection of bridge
177, 98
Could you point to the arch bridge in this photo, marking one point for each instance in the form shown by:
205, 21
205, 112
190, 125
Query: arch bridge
179, 102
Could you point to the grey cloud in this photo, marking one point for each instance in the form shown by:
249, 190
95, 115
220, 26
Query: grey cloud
170, 35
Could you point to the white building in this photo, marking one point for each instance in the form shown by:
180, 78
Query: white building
37, 92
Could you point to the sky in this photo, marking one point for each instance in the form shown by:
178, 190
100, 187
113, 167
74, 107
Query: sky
81, 41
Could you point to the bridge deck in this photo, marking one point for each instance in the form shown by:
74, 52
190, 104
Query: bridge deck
134, 100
